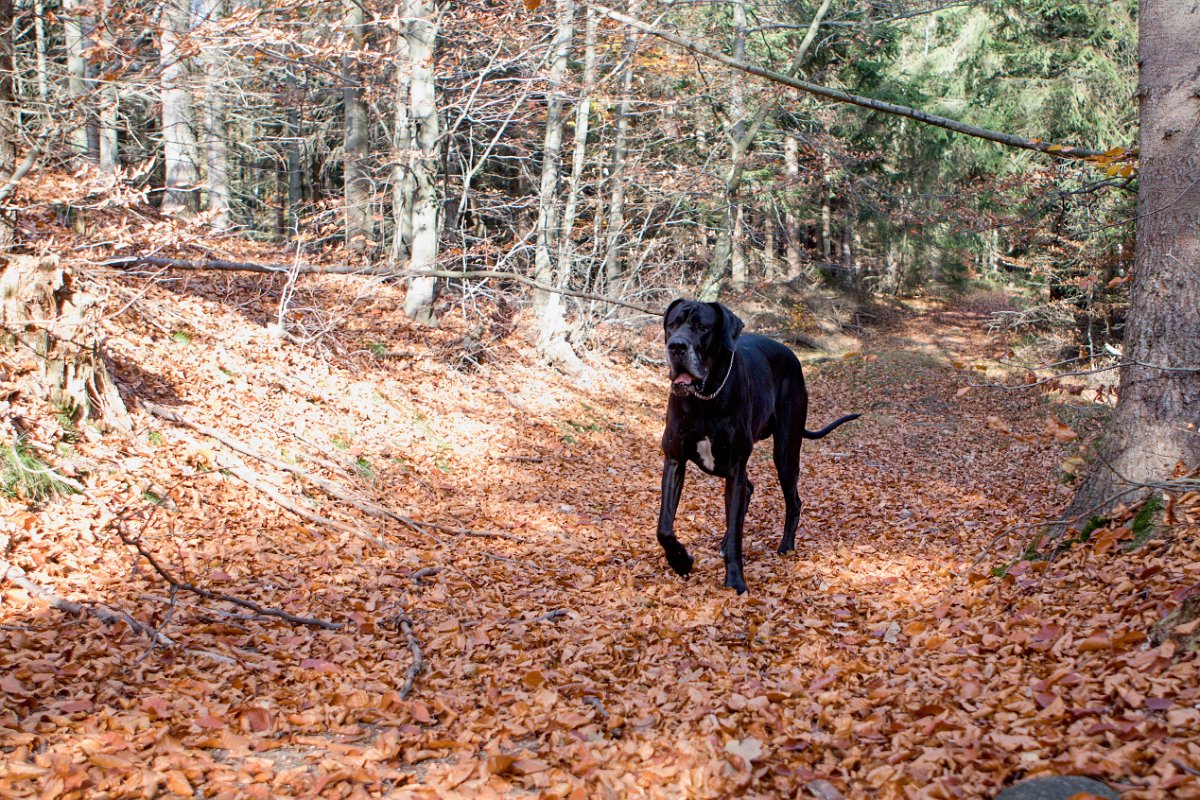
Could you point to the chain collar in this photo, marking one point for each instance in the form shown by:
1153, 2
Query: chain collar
728, 372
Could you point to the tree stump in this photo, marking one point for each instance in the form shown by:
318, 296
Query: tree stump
45, 318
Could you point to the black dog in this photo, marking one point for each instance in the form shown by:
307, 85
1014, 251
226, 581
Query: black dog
729, 391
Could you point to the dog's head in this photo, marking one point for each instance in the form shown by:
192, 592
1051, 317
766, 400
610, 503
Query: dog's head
697, 335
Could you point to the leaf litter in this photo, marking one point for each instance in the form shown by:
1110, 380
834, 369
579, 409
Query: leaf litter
915, 646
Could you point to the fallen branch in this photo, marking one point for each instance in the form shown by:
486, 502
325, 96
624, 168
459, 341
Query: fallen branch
217, 265
256, 481
118, 523
14, 574
329, 487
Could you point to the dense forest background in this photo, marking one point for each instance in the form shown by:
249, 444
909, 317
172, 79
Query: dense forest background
548, 141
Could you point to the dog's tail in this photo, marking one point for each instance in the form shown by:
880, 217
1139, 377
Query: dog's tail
821, 434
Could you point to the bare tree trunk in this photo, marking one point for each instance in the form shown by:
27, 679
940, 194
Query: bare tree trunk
791, 225
403, 187
39, 34
295, 178
826, 210
552, 327
180, 150
423, 164
360, 231
216, 149
583, 116
616, 205
770, 245
8, 126
1154, 427
77, 31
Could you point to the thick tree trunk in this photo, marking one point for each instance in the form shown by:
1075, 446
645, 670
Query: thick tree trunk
1155, 425
360, 231
423, 159
180, 150
216, 149
552, 328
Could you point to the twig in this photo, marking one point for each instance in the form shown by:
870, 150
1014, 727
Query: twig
424, 573
15, 574
404, 623
597, 704
118, 523
1189, 770
549, 616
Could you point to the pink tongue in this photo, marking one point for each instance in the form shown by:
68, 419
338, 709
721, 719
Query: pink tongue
682, 378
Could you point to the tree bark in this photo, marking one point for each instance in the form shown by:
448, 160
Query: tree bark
216, 149
791, 225
1154, 427
616, 203
8, 125
360, 231
77, 31
552, 327
583, 116
180, 150
423, 158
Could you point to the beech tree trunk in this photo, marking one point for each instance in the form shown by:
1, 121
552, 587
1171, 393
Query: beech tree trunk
791, 225
180, 150
1155, 425
216, 149
552, 327
8, 125
359, 228
616, 203
583, 116
423, 158
77, 30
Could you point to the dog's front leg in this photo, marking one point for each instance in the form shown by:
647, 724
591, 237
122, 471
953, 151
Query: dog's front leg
738, 489
672, 486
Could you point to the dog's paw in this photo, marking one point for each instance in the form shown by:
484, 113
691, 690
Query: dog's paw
737, 583
786, 548
681, 562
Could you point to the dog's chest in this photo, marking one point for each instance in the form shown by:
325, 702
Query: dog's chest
709, 451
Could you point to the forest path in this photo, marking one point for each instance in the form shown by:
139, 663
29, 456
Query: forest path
564, 659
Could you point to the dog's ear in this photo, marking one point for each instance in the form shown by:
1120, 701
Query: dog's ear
670, 308
731, 325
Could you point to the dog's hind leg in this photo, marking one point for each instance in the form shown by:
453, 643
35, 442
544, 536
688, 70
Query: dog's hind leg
674, 470
787, 465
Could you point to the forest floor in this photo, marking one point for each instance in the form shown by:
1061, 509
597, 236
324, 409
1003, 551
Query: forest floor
904, 650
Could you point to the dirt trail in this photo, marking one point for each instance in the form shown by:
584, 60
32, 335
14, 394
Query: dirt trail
564, 659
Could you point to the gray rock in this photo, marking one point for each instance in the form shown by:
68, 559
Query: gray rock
1056, 787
